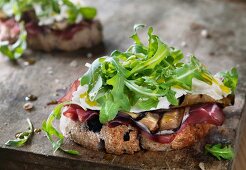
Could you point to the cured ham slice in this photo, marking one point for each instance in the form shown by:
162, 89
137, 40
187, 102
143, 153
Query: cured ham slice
68, 95
9, 30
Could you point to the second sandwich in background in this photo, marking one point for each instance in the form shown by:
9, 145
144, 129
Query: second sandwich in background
47, 25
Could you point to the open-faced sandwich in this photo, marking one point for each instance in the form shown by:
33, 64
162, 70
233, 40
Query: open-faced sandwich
144, 98
47, 25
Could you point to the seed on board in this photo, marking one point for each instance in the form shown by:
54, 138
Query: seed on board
204, 33
50, 70
31, 97
29, 61
183, 44
89, 55
17, 135
37, 130
52, 102
28, 106
74, 63
55, 94
57, 80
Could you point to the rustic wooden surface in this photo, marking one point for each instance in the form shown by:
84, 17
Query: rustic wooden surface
175, 21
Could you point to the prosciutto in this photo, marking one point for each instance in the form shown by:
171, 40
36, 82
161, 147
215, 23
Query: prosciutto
9, 30
76, 113
68, 96
206, 113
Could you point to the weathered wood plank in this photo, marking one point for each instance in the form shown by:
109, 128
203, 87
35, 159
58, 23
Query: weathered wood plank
175, 21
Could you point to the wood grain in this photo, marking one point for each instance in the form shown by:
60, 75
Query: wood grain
239, 161
174, 21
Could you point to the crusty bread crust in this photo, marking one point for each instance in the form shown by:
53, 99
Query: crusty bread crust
111, 139
84, 38
126, 139
187, 137
115, 142
79, 133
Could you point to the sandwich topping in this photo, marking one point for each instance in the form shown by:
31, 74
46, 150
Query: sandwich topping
147, 78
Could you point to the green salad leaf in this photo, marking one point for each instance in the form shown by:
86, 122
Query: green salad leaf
22, 137
55, 137
16, 50
219, 151
88, 12
230, 78
141, 75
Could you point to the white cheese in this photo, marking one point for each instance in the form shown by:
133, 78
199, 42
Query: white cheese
79, 97
198, 87
214, 90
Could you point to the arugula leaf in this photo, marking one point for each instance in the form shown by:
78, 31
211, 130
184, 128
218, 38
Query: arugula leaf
88, 12
93, 92
71, 152
118, 93
135, 36
50, 130
147, 104
153, 43
230, 78
175, 56
219, 152
14, 51
89, 77
159, 56
142, 90
182, 76
171, 97
109, 109
22, 138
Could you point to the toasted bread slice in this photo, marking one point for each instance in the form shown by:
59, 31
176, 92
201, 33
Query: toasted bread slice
116, 140
86, 37
79, 133
120, 139
186, 137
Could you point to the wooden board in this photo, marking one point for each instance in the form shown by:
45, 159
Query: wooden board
175, 21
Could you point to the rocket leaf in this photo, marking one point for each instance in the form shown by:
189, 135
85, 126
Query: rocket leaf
55, 137
219, 151
22, 138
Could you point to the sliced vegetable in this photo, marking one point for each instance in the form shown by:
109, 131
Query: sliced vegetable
23, 137
56, 138
219, 151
